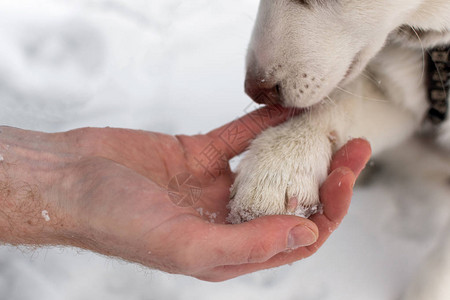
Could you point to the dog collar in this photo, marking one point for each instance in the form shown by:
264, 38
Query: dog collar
438, 83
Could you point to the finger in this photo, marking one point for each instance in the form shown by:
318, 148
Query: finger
337, 190
233, 138
255, 241
222, 273
354, 155
335, 194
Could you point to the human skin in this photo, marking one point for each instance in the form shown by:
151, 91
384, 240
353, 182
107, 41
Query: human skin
108, 190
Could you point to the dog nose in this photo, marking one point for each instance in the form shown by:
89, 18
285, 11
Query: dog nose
262, 91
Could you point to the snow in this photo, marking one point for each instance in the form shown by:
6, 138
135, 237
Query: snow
211, 215
45, 216
178, 67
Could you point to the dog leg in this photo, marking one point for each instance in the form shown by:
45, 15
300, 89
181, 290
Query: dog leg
285, 165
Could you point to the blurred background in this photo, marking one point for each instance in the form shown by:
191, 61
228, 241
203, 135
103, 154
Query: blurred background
177, 66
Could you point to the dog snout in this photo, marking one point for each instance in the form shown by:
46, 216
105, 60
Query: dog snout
262, 90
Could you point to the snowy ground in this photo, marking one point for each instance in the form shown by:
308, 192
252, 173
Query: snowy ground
177, 66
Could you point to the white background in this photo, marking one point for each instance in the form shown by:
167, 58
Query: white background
177, 66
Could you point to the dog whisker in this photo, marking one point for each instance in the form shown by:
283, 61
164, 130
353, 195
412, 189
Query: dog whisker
369, 76
332, 102
362, 97
423, 54
291, 113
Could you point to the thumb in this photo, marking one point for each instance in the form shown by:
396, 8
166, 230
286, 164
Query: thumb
258, 240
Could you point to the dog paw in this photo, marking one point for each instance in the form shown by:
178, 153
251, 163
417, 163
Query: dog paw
280, 174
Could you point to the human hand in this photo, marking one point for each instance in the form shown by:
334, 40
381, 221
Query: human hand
111, 191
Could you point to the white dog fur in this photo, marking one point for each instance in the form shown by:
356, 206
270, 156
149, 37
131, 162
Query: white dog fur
358, 66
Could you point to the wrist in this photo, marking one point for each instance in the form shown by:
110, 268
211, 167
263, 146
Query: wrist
30, 212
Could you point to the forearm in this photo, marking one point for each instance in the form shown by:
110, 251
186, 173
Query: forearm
53, 193
28, 212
